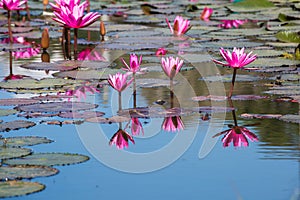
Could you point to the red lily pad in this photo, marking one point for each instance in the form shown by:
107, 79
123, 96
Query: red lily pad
15, 125
17, 101
82, 115
57, 107
36, 115
60, 123
87, 74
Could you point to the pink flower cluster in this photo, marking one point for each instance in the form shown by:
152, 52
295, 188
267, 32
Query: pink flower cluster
12, 4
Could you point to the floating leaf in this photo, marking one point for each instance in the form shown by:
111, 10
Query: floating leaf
291, 118
13, 152
82, 115
25, 171
153, 82
87, 74
60, 123
273, 62
18, 188
24, 141
57, 107
5, 112
48, 159
17, 101
260, 116
47, 66
102, 120
15, 125
250, 5
36, 114
288, 36
223, 98
228, 78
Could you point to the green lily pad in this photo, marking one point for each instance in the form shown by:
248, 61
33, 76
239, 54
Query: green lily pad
260, 116
87, 74
18, 188
250, 6
15, 125
57, 107
17, 101
261, 53
48, 159
25, 171
5, 112
285, 90
24, 141
13, 152
47, 66
288, 36
60, 123
282, 44
35, 84
272, 62
153, 82
228, 78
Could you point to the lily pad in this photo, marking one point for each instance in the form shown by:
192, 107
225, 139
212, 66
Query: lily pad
273, 62
288, 36
57, 107
24, 141
82, 115
35, 84
228, 78
260, 116
48, 159
47, 66
36, 114
5, 112
102, 120
153, 82
250, 6
60, 123
17, 101
87, 74
15, 125
291, 118
223, 98
25, 171
13, 152
18, 188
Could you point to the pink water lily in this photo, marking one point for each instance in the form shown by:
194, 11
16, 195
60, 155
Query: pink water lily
206, 13
12, 4
134, 63
62, 3
172, 124
120, 139
231, 23
73, 16
238, 135
161, 52
88, 54
136, 126
237, 59
180, 27
81, 91
171, 66
119, 81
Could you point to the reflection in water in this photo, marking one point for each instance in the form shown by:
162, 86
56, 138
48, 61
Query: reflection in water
136, 126
236, 134
90, 54
172, 124
80, 91
120, 138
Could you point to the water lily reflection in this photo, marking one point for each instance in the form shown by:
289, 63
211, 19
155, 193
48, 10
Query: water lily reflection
231, 23
89, 54
136, 126
120, 139
172, 124
81, 91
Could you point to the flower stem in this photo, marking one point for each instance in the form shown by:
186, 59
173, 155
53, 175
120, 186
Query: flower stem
233, 112
10, 63
134, 91
75, 43
120, 101
9, 26
171, 93
232, 83
27, 10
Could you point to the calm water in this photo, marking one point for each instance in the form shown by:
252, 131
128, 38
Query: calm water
163, 165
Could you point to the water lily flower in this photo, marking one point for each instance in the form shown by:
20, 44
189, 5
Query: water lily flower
14, 77
161, 52
62, 3
136, 126
172, 124
134, 65
237, 59
12, 4
73, 16
119, 81
171, 66
120, 139
88, 54
231, 23
238, 135
206, 13
80, 92
180, 27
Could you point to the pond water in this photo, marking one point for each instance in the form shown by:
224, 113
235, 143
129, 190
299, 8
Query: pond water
189, 163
